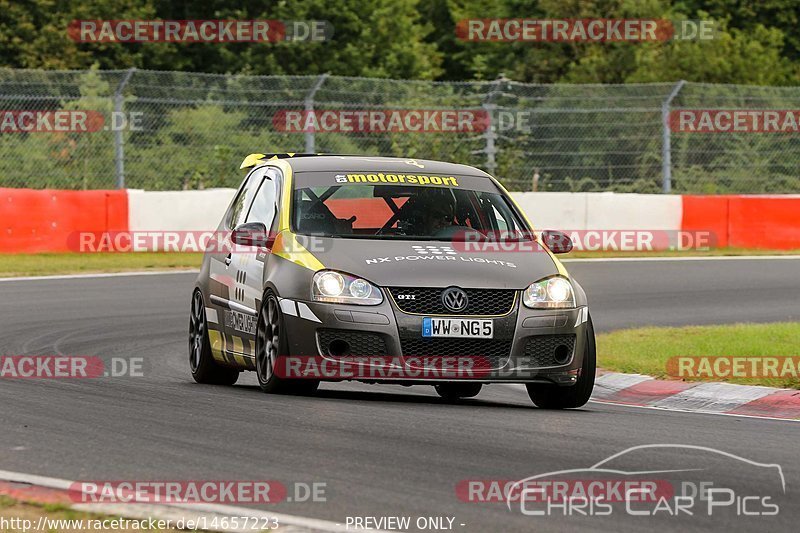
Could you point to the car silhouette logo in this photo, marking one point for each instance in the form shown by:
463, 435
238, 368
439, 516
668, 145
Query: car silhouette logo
454, 299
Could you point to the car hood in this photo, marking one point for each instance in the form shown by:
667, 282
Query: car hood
432, 263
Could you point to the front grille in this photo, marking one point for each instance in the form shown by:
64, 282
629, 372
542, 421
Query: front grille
361, 343
428, 301
540, 350
487, 353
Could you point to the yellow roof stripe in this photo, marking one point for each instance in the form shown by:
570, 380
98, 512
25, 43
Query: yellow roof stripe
251, 160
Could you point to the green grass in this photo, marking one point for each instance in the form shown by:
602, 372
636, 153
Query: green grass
11, 508
12, 265
647, 350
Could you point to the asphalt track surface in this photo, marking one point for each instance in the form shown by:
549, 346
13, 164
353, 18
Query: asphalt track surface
380, 450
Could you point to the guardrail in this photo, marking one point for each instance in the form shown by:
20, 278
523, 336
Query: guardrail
51, 220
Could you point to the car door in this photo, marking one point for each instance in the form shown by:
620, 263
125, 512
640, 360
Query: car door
247, 266
222, 282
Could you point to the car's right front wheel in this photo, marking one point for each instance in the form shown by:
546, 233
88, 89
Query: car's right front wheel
271, 348
546, 396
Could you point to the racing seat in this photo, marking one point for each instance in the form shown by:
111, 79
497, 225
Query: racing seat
317, 219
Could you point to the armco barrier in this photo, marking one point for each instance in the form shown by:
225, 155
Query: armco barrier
765, 222
42, 220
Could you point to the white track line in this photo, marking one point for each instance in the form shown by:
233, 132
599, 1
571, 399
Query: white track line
102, 275
192, 511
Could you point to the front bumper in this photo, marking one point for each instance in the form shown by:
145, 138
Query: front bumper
385, 344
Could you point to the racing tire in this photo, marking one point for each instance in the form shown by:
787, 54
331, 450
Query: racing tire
271, 346
559, 397
202, 364
455, 391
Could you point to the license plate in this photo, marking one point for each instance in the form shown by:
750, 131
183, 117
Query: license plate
475, 328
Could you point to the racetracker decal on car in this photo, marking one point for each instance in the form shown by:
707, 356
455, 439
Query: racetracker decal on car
408, 179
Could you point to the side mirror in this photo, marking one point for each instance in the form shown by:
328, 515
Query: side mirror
558, 242
252, 234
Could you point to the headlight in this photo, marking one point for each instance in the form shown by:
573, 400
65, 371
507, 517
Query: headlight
335, 287
550, 293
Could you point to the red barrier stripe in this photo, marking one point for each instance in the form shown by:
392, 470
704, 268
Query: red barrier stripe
706, 213
42, 220
765, 222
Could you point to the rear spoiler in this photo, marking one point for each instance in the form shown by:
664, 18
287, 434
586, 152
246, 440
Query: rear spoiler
254, 159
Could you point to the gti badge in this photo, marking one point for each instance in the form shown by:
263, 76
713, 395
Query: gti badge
454, 299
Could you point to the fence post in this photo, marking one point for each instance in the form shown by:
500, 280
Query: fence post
489, 134
309, 106
119, 150
666, 148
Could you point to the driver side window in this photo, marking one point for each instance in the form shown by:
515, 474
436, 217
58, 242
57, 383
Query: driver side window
241, 206
266, 199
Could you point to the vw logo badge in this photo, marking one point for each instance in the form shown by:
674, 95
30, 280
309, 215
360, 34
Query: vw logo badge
454, 299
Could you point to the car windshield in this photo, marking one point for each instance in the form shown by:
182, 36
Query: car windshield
403, 212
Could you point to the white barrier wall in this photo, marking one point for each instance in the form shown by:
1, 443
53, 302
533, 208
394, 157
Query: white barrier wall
601, 210
177, 210
198, 211
202, 210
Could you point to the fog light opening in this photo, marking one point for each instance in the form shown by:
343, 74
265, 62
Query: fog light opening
339, 348
561, 354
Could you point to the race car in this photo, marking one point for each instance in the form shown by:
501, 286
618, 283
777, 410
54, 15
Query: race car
387, 270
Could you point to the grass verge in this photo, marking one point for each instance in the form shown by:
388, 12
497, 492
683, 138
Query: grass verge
648, 350
23, 517
13, 265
